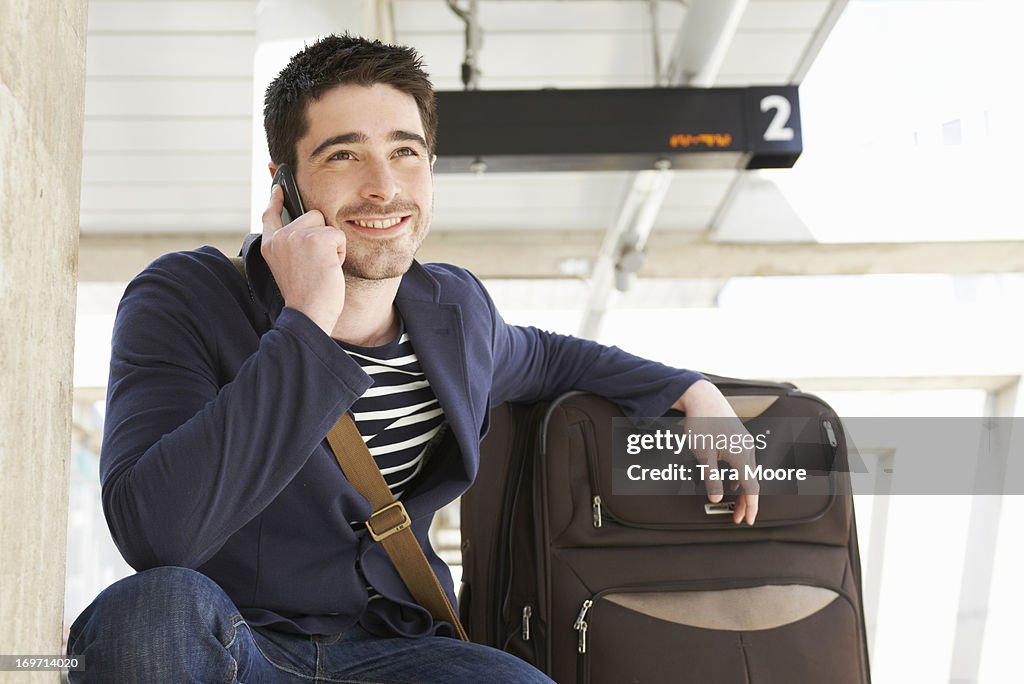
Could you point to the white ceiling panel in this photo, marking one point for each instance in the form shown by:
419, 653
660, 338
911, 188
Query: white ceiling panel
533, 16
424, 16
765, 52
169, 135
169, 97
164, 168
743, 80
762, 15
545, 59
170, 16
161, 55
553, 55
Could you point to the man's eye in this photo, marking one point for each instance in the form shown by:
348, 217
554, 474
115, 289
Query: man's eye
406, 152
341, 156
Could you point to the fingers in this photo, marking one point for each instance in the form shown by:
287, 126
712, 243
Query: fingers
272, 214
714, 489
740, 510
750, 514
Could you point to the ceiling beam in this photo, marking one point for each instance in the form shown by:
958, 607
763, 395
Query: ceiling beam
622, 252
821, 34
708, 29
541, 254
703, 40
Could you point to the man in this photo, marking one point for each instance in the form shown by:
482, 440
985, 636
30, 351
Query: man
217, 483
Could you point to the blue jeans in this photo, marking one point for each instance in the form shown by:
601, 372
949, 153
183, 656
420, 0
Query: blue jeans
176, 625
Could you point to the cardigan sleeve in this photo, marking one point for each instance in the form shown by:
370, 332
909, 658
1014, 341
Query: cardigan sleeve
533, 365
194, 449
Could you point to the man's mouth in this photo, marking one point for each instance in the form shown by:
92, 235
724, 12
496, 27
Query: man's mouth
378, 224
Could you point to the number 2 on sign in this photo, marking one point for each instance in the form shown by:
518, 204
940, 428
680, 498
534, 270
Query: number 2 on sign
777, 129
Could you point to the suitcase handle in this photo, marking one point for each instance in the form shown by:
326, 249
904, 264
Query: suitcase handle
720, 508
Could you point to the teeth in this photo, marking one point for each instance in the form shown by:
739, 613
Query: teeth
380, 224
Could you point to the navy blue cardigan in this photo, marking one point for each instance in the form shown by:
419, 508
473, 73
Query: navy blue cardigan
219, 400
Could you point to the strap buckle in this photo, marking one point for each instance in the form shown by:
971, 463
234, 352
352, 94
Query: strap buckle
402, 523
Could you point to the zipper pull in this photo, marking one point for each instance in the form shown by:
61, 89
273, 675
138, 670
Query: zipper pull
527, 612
581, 626
831, 434
597, 511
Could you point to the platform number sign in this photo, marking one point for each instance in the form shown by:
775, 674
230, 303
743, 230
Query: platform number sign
777, 128
773, 126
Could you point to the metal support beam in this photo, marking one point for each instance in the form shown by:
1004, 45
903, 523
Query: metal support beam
622, 250
982, 546
701, 43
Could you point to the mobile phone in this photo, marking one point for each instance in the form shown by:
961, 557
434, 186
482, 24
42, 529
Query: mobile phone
293, 208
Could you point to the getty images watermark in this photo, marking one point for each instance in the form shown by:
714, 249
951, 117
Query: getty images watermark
819, 455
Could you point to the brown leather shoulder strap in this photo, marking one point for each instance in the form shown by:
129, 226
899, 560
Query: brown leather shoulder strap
390, 524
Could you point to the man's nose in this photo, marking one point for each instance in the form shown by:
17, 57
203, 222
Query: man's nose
379, 182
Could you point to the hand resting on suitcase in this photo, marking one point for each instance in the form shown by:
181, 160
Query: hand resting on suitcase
703, 402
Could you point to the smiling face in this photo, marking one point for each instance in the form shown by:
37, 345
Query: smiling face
364, 164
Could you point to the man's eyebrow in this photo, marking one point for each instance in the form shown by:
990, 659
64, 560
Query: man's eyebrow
403, 136
343, 139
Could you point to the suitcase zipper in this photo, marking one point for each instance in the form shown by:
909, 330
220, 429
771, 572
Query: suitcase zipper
527, 612
832, 441
503, 631
581, 626
597, 511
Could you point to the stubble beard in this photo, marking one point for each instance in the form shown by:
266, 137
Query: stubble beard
368, 259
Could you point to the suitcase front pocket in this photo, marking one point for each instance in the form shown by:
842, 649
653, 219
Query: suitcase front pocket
770, 634
808, 443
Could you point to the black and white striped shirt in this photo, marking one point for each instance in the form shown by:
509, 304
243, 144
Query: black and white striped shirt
399, 414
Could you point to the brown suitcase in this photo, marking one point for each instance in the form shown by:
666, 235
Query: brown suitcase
598, 588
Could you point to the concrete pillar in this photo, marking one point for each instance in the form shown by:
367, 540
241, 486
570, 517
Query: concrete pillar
42, 82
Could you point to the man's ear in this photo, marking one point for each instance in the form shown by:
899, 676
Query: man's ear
433, 158
273, 168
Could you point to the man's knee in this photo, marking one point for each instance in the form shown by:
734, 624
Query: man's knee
163, 624
163, 599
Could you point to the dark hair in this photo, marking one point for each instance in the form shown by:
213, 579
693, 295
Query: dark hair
336, 60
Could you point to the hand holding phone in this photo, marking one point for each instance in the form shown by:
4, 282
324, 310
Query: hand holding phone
304, 254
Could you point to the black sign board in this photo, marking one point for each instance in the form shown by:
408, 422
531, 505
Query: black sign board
620, 129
